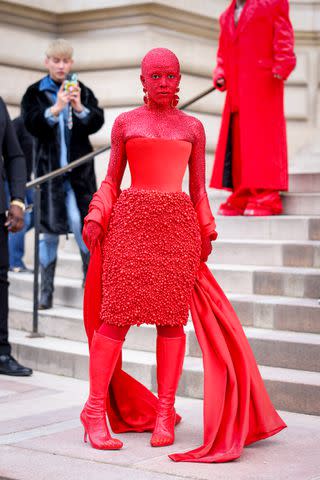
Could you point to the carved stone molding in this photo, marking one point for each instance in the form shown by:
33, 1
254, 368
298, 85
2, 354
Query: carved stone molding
28, 17
144, 14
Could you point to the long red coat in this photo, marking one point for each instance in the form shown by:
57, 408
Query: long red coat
249, 56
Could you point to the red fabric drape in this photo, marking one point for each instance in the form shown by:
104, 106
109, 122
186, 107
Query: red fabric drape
237, 407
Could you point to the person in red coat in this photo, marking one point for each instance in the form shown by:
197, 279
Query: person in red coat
255, 57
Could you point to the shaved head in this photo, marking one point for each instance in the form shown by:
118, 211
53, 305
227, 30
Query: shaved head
159, 58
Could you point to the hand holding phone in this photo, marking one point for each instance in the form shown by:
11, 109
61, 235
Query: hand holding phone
74, 91
63, 98
71, 82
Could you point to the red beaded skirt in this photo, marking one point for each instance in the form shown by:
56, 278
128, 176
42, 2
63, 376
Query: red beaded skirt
151, 254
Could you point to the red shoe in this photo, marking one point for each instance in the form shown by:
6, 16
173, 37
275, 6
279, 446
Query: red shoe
230, 210
264, 205
104, 353
170, 356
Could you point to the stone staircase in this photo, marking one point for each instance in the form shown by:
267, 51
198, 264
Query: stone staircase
270, 269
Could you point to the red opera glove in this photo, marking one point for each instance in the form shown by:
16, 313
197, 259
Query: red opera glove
92, 233
206, 248
206, 219
207, 226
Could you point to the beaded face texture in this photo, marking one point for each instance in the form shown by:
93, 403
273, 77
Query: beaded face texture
160, 77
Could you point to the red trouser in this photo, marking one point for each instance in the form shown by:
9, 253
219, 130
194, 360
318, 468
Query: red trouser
240, 195
119, 333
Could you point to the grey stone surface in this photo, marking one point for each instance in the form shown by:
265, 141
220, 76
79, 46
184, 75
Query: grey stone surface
314, 225
269, 253
44, 442
304, 182
299, 256
295, 350
269, 228
301, 204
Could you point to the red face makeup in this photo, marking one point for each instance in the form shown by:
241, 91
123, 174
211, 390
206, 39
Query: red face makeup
160, 76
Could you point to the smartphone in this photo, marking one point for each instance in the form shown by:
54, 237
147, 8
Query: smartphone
71, 81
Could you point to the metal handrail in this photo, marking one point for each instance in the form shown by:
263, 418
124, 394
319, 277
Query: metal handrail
68, 168
37, 182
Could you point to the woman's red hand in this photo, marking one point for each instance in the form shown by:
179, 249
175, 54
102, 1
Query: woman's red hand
206, 248
93, 234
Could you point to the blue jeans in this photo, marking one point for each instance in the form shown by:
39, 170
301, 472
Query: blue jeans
49, 241
16, 240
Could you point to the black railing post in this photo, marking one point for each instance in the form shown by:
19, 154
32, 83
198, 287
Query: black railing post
37, 215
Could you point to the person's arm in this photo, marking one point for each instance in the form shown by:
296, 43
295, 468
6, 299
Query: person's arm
118, 157
97, 220
219, 75
283, 42
34, 114
26, 142
197, 189
15, 168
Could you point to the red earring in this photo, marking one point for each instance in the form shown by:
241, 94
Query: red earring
145, 98
176, 98
175, 101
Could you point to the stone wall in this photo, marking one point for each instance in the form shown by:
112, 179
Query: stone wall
110, 38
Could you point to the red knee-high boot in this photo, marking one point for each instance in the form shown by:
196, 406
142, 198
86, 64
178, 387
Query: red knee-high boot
170, 356
104, 353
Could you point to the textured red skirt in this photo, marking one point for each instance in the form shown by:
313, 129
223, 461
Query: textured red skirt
151, 255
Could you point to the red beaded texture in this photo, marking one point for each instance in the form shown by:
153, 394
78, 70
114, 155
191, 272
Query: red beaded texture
150, 258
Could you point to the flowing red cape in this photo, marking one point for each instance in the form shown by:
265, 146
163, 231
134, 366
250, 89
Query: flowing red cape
237, 408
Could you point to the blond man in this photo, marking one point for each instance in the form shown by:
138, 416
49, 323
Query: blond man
61, 119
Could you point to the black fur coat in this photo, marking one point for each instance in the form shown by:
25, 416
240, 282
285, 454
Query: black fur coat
83, 181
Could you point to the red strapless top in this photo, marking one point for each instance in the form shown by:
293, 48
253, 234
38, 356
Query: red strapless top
157, 163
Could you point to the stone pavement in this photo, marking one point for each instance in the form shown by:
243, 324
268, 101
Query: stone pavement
41, 439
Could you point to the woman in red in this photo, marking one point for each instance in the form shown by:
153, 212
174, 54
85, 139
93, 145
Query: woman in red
148, 244
254, 59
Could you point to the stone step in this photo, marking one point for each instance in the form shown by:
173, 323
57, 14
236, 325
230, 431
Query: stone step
278, 313
301, 203
241, 251
247, 279
285, 349
267, 252
265, 311
304, 182
269, 228
274, 348
294, 203
262, 280
67, 291
292, 390
280, 281
69, 264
